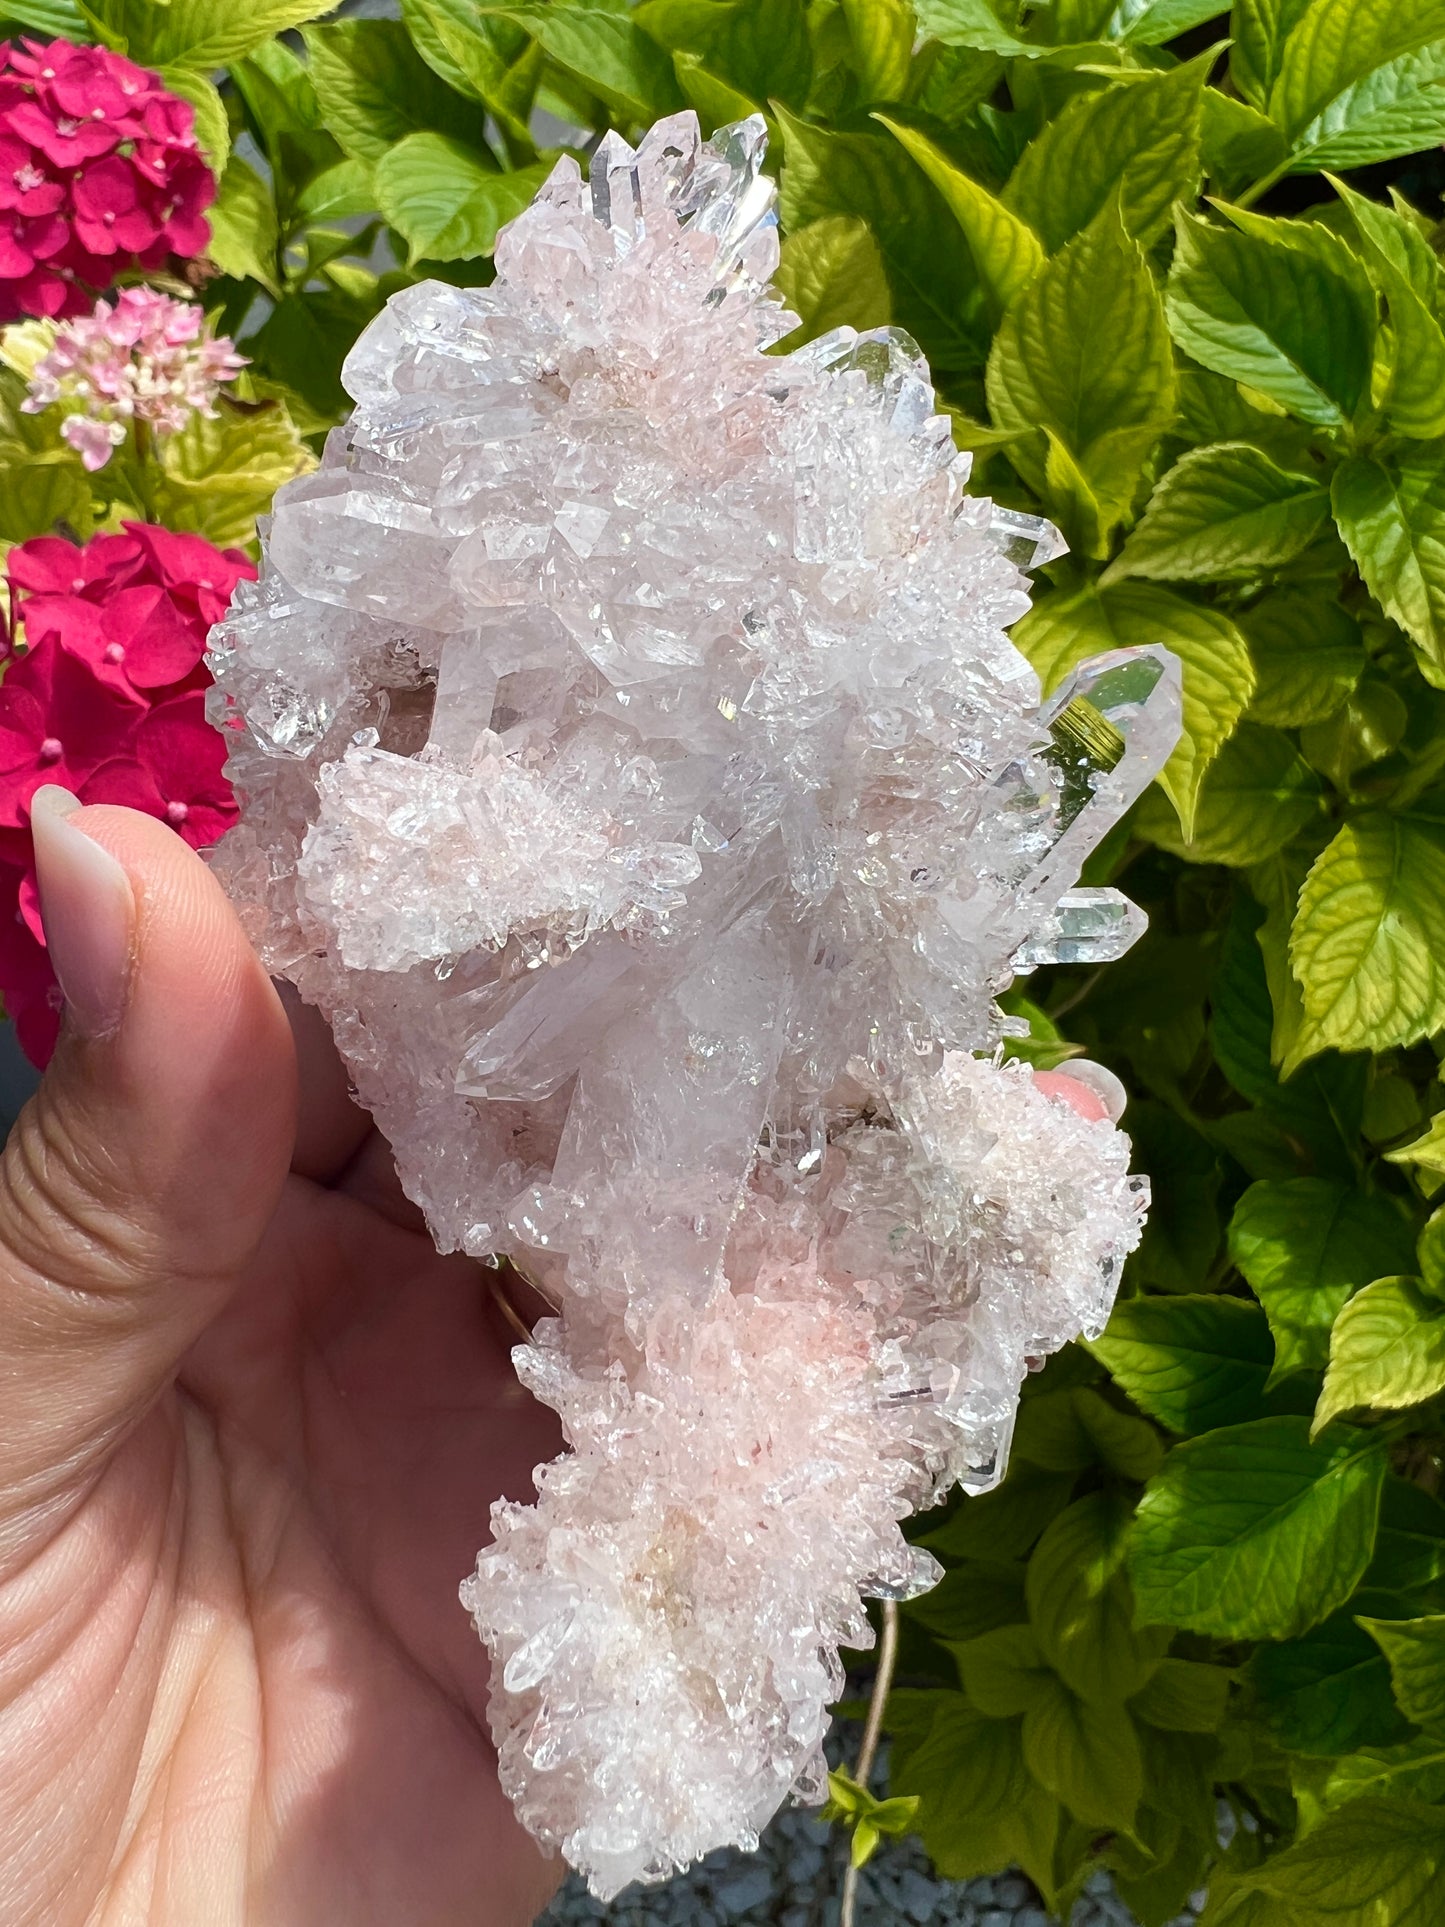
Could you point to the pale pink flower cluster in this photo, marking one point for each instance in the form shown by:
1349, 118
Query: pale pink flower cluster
142, 358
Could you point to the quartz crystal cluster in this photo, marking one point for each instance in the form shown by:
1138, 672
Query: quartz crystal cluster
637, 770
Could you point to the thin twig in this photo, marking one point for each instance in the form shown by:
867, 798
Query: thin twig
509, 1311
872, 1731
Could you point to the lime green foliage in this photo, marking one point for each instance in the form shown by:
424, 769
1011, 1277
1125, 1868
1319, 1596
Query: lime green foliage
1163, 306
1163, 309
868, 1820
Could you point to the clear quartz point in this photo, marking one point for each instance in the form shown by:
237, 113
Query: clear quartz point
1088, 927
616, 192
728, 195
639, 774
1111, 728
1029, 541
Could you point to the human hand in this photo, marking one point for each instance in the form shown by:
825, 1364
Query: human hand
250, 1428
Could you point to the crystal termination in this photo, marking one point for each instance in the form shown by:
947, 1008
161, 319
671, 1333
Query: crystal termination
637, 771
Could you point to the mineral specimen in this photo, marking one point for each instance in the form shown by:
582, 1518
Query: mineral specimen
637, 771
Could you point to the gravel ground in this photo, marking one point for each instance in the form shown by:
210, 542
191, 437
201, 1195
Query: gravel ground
796, 1877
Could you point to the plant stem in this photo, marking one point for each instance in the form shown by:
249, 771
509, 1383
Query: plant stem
1262, 185
1416, 781
872, 1731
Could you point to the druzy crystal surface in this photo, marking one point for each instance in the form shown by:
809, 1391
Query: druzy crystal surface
638, 772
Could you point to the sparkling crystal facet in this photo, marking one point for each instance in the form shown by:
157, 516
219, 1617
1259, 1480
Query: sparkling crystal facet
638, 772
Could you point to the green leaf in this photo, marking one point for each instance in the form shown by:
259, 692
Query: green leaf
979, 1808
1006, 251
1184, 1696
1371, 1863
1260, 29
1392, 249
882, 32
1308, 654
1321, 1105
1061, 631
1221, 512
1193, 1363
453, 41
935, 295
972, 23
1137, 140
1256, 795
1256, 1531
1415, 1649
1084, 353
973, 1598
864, 1843
1305, 1245
1003, 1672
375, 89
1085, 1755
213, 127
218, 476
949, 83
1359, 82
1326, 1692
1071, 1430
1391, 512
1237, 143
870, 1818
712, 100
759, 47
1387, 1351
1368, 944
1081, 1606
340, 193
37, 496
200, 34
474, 55
56, 17
607, 51
1410, 1550
1427, 1152
1003, 1523
1283, 307
245, 236
1149, 23
443, 202
1367, 727
1395, 239
281, 104
1415, 1769
831, 275
302, 344
1276, 884
1214, 409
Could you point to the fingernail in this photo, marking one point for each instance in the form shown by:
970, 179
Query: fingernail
1097, 1080
88, 910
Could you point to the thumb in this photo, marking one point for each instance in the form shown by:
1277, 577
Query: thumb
137, 1183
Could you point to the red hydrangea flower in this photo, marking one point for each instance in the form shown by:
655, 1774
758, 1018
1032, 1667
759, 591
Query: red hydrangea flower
99, 174
107, 697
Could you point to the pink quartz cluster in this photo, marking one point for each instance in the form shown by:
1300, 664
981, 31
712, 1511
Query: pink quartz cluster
100, 174
145, 357
638, 772
105, 693
739, 1476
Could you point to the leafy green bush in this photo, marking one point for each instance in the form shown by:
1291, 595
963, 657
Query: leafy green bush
1178, 281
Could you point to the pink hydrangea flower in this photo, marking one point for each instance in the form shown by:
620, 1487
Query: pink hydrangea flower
107, 696
142, 358
100, 175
